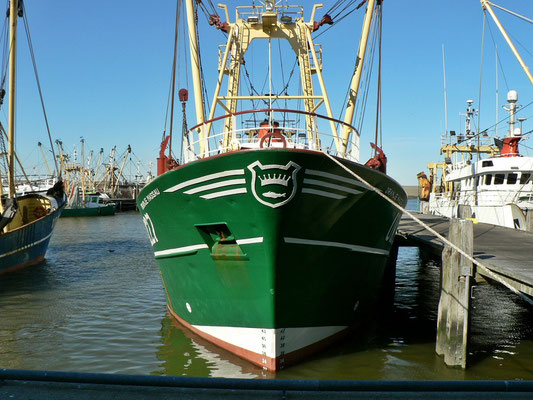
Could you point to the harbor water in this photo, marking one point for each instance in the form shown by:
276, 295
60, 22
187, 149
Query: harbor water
97, 305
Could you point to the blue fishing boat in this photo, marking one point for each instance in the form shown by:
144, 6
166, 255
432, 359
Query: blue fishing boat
26, 220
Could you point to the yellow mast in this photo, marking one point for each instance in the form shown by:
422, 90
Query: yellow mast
356, 78
196, 79
82, 172
13, 15
486, 6
128, 151
268, 26
44, 158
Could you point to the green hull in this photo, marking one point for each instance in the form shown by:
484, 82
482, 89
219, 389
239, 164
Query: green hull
108, 209
272, 240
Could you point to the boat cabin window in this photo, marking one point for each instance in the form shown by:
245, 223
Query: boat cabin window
498, 179
486, 164
512, 179
524, 178
94, 200
488, 179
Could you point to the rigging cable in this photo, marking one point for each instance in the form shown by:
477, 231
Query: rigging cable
434, 232
498, 57
30, 45
480, 79
378, 106
513, 13
338, 17
173, 79
368, 76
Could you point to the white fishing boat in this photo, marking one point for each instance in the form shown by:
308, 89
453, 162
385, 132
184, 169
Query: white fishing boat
496, 189
484, 177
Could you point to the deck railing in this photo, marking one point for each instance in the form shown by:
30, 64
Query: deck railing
291, 131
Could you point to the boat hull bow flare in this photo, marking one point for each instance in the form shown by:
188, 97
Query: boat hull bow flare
272, 253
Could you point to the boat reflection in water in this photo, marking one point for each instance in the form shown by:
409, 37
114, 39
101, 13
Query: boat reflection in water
183, 353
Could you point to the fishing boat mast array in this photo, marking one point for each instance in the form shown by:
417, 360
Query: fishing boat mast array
268, 244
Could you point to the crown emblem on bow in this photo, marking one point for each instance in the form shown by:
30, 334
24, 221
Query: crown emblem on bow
279, 179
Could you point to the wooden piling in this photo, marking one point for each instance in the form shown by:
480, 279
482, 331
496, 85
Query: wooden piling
529, 220
454, 305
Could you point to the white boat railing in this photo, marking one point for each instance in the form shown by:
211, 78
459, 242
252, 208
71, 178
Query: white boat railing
485, 197
289, 135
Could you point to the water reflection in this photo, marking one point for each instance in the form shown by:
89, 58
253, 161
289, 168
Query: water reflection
97, 305
183, 353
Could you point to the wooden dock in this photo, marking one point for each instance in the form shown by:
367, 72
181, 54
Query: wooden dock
506, 252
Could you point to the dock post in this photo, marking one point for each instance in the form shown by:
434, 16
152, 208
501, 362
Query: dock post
454, 305
529, 220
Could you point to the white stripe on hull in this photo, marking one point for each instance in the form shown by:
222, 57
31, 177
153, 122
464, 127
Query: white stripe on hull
204, 179
335, 177
323, 193
352, 247
229, 182
341, 188
195, 247
27, 246
270, 343
224, 193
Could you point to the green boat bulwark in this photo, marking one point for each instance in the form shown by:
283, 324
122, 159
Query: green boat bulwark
270, 244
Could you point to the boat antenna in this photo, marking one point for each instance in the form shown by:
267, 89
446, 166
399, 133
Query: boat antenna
445, 93
497, 94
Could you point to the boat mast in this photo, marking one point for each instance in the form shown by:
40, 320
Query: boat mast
82, 172
486, 6
44, 158
128, 151
356, 78
13, 15
264, 23
196, 79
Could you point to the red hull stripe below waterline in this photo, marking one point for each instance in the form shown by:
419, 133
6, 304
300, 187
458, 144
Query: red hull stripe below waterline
36, 260
261, 360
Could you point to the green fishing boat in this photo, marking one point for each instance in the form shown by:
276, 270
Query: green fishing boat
88, 204
269, 244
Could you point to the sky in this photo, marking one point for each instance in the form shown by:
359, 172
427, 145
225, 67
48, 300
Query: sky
104, 69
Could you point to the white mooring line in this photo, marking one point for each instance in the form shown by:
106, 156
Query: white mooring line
438, 235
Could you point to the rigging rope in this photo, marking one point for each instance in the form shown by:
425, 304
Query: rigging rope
30, 45
483, 267
498, 57
513, 13
378, 105
339, 16
481, 76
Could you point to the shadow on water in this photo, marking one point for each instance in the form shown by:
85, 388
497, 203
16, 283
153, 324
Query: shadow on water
28, 280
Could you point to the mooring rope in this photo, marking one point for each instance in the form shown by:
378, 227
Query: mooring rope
438, 235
